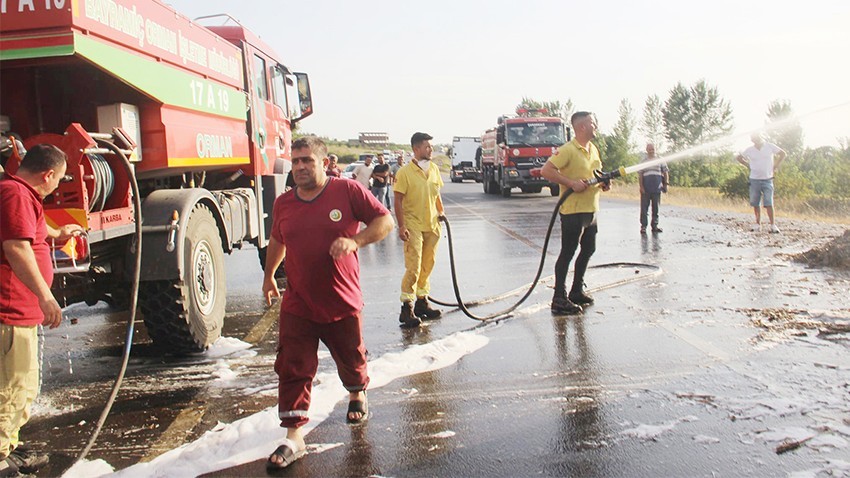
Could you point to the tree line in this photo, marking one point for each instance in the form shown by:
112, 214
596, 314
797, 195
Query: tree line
691, 116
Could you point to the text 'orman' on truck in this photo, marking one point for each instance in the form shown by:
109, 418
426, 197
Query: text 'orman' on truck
516, 149
209, 110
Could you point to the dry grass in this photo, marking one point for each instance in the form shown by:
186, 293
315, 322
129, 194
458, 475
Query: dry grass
709, 198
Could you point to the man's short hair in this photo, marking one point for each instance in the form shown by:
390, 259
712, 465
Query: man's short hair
315, 144
43, 157
418, 138
579, 115
333, 157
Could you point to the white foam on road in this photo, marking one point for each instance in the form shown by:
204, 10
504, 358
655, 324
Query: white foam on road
225, 346
255, 437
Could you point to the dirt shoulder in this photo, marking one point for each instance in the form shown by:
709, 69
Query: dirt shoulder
813, 242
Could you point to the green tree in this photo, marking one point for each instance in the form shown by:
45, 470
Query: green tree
619, 150
783, 129
676, 117
696, 115
625, 125
652, 124
553, 108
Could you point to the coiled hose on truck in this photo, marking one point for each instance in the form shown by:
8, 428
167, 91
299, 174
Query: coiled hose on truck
134, 296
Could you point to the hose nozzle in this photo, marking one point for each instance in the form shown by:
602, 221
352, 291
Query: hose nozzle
600, 176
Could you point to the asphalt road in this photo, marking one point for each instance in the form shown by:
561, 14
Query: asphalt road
704, 370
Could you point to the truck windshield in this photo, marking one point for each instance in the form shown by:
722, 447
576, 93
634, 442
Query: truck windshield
535, 134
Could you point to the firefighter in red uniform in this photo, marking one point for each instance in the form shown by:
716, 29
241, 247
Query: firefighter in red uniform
25, 297
316, 227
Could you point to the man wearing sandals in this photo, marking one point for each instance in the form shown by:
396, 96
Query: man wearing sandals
317, 228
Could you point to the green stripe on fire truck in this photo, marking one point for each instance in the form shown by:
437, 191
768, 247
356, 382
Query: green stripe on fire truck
44, 52
164, 82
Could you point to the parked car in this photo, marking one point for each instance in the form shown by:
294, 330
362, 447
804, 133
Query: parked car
348, 172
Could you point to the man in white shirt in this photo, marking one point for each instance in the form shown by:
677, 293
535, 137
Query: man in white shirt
763, 159
363, 172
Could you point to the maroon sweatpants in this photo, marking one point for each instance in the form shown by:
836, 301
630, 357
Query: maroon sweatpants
297, 361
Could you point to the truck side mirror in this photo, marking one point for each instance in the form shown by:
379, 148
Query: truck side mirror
305, 100
500, 136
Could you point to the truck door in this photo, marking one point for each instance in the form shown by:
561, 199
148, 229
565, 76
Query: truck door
270, 133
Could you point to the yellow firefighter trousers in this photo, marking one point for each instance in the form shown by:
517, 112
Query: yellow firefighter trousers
18, 381
419, 255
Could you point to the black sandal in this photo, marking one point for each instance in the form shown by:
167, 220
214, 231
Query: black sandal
287, 454
357, 406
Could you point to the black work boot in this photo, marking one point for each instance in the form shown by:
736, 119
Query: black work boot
406, 318
29, 460
424, 311
564, 306
580, 297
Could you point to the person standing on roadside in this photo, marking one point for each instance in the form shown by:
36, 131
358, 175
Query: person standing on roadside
363, 173
570, 166
653, 181
316, 226
26, 273
763, 159
381, 181
418, 209
399, 162
333, 167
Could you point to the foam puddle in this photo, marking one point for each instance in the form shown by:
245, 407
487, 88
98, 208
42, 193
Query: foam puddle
255, 437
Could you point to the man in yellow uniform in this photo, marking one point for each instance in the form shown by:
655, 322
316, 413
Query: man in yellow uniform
418, 208
570, 166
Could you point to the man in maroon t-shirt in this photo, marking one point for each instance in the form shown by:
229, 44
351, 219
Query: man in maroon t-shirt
316, 228
25, 297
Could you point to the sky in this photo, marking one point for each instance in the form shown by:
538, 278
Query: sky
450, 68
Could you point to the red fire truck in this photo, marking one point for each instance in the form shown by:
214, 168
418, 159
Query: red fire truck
517, 148
205, 115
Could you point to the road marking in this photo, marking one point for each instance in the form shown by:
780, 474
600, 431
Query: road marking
505, 230
176, 433
261, 328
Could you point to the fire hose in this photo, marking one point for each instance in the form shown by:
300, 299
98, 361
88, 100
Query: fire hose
134, 295
599, 177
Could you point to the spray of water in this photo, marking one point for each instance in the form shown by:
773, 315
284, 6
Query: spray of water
726, 140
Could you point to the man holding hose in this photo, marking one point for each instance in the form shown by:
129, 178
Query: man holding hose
570, 166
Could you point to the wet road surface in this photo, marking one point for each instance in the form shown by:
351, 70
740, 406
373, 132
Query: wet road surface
680, 374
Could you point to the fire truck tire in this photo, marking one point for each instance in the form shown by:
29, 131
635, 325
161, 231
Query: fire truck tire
554, 190
506, 192
186, 316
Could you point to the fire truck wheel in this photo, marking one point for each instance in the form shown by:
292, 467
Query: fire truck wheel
493, 187
186, 316
554, 190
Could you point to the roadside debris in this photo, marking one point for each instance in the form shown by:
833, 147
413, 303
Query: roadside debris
835, 253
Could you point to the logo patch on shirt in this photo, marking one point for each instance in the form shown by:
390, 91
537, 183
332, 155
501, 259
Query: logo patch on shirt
335, 215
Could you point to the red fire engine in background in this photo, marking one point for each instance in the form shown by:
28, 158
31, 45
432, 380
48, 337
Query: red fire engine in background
205, 115
513, 152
